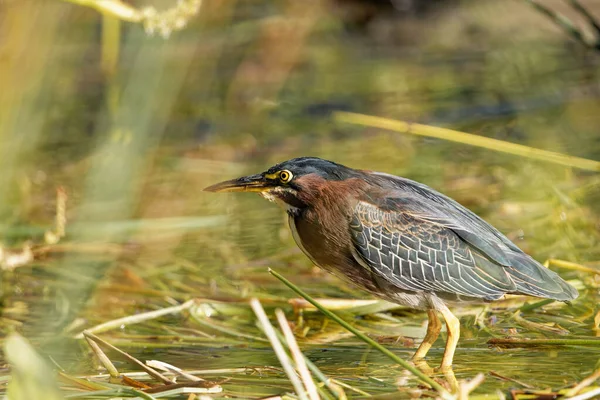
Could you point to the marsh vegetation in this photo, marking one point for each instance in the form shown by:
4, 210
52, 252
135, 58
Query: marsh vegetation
127, 112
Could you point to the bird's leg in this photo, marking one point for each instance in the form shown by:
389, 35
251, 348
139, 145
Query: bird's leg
424, 367
434, 326
453, 328
451, 379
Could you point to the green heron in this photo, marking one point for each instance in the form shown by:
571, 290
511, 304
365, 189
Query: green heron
399, 240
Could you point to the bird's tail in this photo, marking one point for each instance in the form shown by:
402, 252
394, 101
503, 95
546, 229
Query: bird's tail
534, 279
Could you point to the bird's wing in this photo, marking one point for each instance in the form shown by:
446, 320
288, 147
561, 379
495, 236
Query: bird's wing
417, 253
424, 203
492, 252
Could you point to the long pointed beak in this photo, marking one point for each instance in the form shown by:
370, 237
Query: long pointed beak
252, 183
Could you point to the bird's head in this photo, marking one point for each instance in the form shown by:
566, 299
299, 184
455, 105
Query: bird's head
292, 183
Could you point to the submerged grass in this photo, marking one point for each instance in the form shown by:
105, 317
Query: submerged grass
228, 326
357, 381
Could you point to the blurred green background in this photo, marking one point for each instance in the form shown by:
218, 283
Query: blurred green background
132, 119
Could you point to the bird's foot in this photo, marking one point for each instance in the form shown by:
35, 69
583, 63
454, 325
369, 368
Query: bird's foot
450, 378
422, 365
449, 381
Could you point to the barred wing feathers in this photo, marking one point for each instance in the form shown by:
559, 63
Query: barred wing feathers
418, 255
425, 245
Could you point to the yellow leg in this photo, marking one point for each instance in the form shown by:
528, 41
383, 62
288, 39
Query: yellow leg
424, 367
453, 328
450, 383
434, 327
451, 379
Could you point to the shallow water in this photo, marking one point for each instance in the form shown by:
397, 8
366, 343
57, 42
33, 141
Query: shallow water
214, 102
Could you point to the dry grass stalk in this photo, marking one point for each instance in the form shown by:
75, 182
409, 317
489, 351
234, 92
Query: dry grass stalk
280, 352
53, 237
517, 342
469, 139
301, 366
545, 327
587, 381
152, 372
444, 394
466, 387
331, 304
12, 259
349, 387
166, 367
571, 265
104, 360
509, 379
135, 319
592, 394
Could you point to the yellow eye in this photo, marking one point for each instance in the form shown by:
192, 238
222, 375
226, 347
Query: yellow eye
285, 176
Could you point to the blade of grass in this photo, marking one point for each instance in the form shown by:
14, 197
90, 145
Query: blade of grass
31, 376
534, 326
140, 394
424, 378
186, 387
110, 367
572, 266
509, 379
587, 381
333, 304
137, 318
466, 387
166, 367
309, 384
467, 138
185, 390
220, 371
280, 352
351, 388
587, 395
224, 330
335, 390
108, 393
81, 383
118, 391
332, 389
532, 306
150, 371
515, 342
134, 383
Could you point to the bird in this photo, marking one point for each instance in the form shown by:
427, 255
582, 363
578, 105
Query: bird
400, 240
